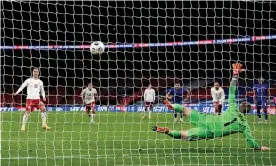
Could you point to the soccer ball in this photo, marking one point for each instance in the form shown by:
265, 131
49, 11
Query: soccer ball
97, 48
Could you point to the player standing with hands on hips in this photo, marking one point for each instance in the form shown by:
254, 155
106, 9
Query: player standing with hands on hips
88, 95
34, 90
149, 98
218, 97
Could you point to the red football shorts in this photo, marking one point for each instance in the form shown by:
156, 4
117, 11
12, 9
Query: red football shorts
31, 104
90, 106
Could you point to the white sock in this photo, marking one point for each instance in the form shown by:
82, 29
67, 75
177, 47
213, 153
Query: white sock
43, 118
25, 119
144, 111
148, 109
92, 117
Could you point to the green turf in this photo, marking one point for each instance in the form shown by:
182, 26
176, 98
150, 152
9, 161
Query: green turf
123, 139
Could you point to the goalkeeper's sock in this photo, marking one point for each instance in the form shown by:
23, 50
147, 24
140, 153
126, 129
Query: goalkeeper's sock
175, 134
43, 118
25, 119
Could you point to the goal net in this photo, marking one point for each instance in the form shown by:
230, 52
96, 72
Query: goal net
158, 43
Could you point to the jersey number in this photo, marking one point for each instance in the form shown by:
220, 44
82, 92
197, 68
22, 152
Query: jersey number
228, 123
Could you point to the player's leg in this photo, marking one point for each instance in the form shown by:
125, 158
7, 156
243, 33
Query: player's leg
27, 114
216, 107
219, 109
93, 114
87, 110
181, 118
175, 117
264, 107
43, 116
178, 108
181, 115
144, 110
259, 107
150, 109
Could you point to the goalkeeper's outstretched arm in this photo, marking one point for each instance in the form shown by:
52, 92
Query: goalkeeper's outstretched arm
237, 68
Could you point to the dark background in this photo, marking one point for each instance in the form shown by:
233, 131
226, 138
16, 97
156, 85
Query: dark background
74, 23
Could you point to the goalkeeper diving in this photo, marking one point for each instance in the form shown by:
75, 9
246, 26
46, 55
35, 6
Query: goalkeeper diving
211, 126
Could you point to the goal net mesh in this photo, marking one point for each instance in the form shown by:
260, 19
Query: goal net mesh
146, 42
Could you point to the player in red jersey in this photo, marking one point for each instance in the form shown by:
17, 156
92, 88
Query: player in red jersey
34, 89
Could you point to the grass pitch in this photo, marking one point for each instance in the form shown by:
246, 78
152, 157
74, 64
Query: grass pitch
123, 139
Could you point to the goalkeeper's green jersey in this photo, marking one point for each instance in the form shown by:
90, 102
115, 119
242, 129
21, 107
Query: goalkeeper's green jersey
230, 122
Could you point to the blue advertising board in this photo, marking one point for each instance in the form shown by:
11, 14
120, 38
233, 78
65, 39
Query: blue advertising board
204, 108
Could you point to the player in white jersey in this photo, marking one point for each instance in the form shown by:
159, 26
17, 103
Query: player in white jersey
149, 98
88, 95
218, 97
34, 90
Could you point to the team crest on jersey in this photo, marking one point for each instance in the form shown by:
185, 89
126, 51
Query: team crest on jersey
36, 85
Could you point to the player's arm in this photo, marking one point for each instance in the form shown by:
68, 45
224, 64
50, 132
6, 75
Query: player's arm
42, 91
187, 95
21, 87
82, 94
169, 94
254, 95
96, 96
251, 141
237, 68
153, 96
232, 92
145, 95
268, 96
222, 96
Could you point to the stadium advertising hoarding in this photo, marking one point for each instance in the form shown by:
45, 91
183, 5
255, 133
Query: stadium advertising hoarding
204, 108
